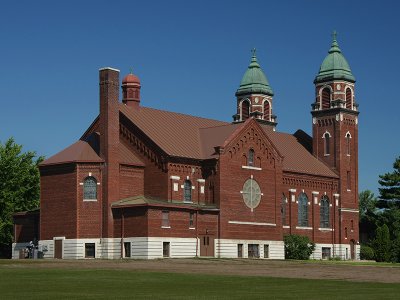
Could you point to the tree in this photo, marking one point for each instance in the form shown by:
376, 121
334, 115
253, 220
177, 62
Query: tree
298, 247
369, 216
19, 188
382, 244
367, 203
390, 182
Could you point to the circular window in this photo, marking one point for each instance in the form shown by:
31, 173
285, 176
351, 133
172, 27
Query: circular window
251, 193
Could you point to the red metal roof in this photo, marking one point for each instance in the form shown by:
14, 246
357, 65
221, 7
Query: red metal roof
80, 151
194, 137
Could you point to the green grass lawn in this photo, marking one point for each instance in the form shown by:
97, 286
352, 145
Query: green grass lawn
28, 283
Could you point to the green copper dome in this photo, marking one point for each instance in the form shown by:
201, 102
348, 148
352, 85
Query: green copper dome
254, 80
334, 66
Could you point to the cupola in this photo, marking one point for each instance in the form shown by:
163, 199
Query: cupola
254, 95
131, 90
334, 66
254, 80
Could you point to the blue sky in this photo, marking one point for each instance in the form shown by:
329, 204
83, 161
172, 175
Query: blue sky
190, 57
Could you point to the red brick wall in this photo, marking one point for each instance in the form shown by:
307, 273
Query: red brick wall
58, 209
309, 184
134, 222
269, 179
131, 181
89, 212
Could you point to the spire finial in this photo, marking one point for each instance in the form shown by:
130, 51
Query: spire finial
253, 51
334, 34
131, 70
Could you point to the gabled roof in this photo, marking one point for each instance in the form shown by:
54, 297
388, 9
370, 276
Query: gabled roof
193, 137
176, 134
80, 151
296, 157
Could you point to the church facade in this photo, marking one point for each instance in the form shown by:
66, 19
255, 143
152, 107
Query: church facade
147, 183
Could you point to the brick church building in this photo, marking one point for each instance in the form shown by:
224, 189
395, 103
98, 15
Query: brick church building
147, 183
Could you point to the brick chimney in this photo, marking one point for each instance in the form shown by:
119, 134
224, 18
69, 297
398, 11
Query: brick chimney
109, 143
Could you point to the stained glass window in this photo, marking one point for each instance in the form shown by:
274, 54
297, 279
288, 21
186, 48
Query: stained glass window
303, 210
188, 191
283, 209
90, 188
324, 212
250, 159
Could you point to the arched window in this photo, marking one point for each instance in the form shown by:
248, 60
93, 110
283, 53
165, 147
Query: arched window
283, 209
348, 144
267, 111
326, 98
187, 191
349, 99
327, 143
250, 158
90, 188
245, 110
324, 212
303, 210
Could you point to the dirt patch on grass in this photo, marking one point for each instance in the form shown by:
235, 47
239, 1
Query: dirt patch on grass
244, 267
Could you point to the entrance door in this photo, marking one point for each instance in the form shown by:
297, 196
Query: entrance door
353, 249
206, 245
58, 245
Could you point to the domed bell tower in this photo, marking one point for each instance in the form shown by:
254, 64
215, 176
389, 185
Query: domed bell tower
131, 90
254, 96
335, 123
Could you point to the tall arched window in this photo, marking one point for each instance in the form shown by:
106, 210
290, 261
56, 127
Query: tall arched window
303, 210
348, 144
324, 212
187, 191
267, 111
245, 110
326, 98
250, 158
283, 209
90, 188
327, 143
349, 98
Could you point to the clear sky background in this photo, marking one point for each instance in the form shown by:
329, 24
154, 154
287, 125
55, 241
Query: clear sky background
190, 57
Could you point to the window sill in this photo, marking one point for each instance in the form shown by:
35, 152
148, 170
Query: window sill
192, 228
285, 226
166, 227
89, 200
325, 229
348, 190
326, 154
304, 227
251, 168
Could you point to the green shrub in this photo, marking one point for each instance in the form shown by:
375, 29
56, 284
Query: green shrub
382, 244
366, 252
298, 247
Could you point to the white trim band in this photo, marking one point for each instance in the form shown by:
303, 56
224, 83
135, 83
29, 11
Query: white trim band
349, 210
108, 68
251, 223
303, 227
251, 168
175, 177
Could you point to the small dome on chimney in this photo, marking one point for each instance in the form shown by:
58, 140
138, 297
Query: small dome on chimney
131, 79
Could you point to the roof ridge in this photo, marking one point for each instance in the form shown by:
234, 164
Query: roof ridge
178, 113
